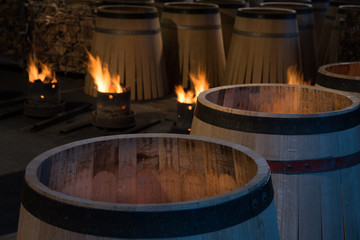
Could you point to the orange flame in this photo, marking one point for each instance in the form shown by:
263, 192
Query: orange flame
105, 82
39, 71
190, 97
295, 77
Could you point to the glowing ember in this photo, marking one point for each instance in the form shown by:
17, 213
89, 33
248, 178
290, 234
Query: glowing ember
39, 71
294, 77
105, 82
190, 97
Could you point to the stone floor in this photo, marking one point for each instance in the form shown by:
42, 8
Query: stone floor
19, 144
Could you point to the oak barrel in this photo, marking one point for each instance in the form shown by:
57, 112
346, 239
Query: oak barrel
228, 10
193, 42
344, 40
340, 76
307, 42
158, 186
264, 44
310, 137
127, 38
328, 23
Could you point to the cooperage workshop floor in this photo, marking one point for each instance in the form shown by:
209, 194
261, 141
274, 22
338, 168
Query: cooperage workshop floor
19, 145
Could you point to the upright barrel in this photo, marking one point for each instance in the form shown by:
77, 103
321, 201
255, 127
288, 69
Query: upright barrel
310, 137
327, 25
127, 38
228, 10
193, 42
344, 40
307, 42
148, 186
340, 76
264, 44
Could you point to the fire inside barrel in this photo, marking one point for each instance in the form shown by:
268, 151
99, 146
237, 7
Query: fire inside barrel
186, 102
44, 97
113, 101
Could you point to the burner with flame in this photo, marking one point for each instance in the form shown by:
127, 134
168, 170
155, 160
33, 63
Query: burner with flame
44, 98
186, 102
113, 101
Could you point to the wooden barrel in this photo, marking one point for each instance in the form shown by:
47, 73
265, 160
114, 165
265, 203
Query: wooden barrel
264, 44
310, 137
327, 25
340, 76
128, 39
193, 42
228, 10
308, 50
158, 186
344, 40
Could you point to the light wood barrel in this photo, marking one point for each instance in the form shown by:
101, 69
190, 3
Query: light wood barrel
148, 186
128, 39
264, 44
228, 10
308, 50
310, 137
340, 76
193, 42
344, 40
327, 25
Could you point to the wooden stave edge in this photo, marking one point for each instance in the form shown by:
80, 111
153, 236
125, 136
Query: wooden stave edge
354, 108
261, 179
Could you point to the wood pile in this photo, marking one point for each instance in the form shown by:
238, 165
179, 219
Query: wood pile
60, 32
12, 28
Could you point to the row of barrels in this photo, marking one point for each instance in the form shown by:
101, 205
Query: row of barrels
300, 180
230, 44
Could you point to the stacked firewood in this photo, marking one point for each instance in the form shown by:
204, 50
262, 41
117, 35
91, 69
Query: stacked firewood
12, 29
60, 32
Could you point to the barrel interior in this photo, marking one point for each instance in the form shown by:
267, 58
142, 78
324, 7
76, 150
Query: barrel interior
147, 170
279, 99
350, 69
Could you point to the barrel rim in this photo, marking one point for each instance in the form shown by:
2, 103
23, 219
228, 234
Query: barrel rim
277, 123
348, 8
331, 80
355, 101
323, 70
109, 11
190, 8
300, 8
258, 180
273, 13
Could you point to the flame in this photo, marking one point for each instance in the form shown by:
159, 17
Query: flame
105, 82
295, 77
39, 71
190, 97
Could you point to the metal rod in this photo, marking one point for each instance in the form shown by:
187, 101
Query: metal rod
60, 117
